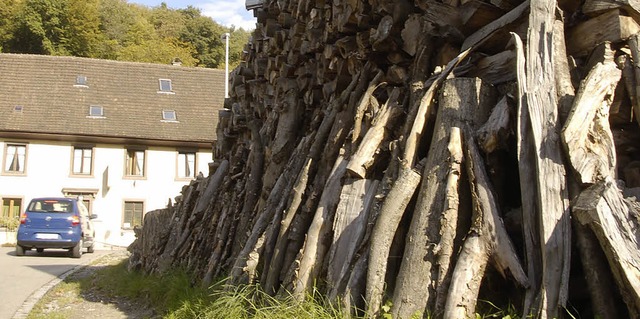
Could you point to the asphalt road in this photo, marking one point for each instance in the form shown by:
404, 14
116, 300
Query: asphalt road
22, 277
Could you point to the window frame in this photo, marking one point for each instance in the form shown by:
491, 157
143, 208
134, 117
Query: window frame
179, 167
163, 89
73, 172
128, 161
124, 213
95, 107
25, 160
167, 119
81, 81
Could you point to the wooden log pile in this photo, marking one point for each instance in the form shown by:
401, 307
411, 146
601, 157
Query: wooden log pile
424, 155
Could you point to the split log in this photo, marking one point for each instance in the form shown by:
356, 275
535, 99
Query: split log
384, 230
462, 100
487, 239
553, 203
611, 26
587, 136
602, 208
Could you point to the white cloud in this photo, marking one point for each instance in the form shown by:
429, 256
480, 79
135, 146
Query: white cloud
228, 13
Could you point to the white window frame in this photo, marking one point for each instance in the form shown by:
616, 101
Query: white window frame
162, 86
93, 114
169, 116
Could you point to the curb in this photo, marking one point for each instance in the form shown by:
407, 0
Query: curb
31, 301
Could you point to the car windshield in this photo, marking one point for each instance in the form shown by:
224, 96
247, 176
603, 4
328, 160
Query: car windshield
51, 206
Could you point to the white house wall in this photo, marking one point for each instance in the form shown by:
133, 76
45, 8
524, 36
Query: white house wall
49, 172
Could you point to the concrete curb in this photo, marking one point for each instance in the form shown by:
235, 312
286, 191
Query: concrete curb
31, 301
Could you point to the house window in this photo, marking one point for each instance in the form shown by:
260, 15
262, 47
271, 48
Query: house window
82, 160
135, 162
15, 158
186, 164
133, 214
165, 85
81, 80
169, 115
11, 208
96, 111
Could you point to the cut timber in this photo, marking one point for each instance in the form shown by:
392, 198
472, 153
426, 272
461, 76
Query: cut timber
587, 136
424, 111
492, 135
384, 230
363, 157
553, 197
602, 208
487, 238
634, 45
528, 192
497, 25
595, 7
449, 227
609, 26
349, 225
462, 100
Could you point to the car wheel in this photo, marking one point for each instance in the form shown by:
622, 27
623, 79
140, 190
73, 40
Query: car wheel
90, 249
19, 250
76, 252
39, 250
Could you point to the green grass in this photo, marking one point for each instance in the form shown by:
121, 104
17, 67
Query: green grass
176, 296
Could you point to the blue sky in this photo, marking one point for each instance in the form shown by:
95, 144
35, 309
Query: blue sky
225, 12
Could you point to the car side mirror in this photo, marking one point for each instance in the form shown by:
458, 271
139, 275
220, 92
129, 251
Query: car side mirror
93, 216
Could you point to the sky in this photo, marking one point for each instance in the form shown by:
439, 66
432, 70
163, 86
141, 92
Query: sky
224, 12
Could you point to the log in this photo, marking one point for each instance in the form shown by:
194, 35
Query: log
609, 26
603, 209
553, 203
384, 230
461, 100
587, 137
487, 238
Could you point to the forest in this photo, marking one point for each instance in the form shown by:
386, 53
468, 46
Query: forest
117, 30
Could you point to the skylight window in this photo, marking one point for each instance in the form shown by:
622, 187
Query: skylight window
81, 80
96, 111
17, 108
165, 85
169, 115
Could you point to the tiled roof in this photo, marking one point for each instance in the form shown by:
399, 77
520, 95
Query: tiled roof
45, 87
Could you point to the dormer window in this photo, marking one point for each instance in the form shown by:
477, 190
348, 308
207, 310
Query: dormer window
169, 115
165, 86
96, 111
81, 81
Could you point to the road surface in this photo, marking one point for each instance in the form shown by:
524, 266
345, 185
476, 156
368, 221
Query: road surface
20, 277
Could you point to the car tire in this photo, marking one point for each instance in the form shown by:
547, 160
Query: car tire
39, 250
19, 250
76, 252
90, 249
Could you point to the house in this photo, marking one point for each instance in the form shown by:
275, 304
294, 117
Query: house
124, 136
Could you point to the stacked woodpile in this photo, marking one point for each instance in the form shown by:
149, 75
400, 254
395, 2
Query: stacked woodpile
425, 155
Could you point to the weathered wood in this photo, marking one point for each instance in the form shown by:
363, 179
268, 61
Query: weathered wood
349, 225
602, 208
487, 238
449, 228
462, 100
564, 86
383, 232
634, 45
493, 134
361, 160
424, 111
528, 192
498, 24
611, 27
587, 136
553, 203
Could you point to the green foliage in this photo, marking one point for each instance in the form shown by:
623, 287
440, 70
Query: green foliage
118, 30
10, 223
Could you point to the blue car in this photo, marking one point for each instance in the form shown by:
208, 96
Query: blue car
56, 223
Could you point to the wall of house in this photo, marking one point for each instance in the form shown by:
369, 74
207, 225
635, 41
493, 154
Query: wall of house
49, 172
